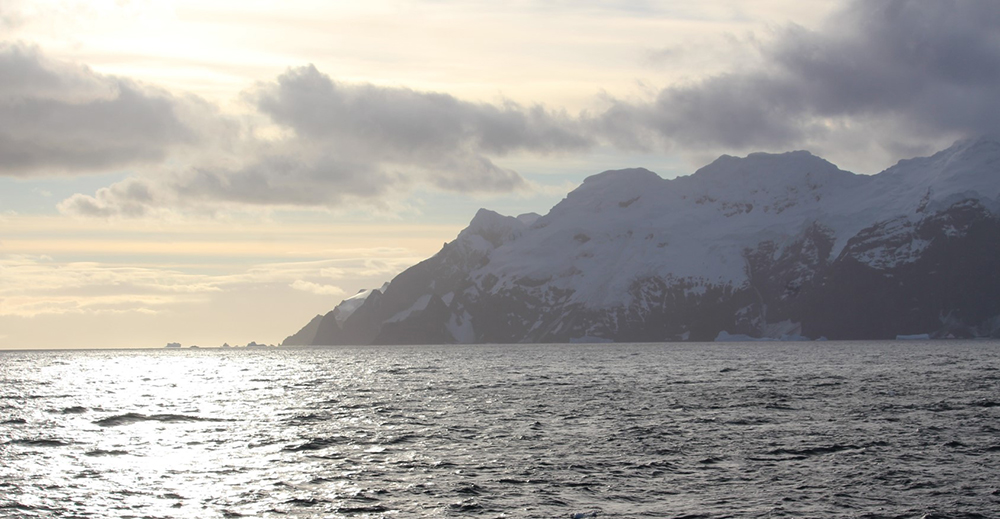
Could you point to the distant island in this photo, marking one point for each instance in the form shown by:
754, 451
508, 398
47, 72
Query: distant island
768, 246
250, 345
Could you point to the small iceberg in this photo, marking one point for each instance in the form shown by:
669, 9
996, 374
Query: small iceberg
914, 337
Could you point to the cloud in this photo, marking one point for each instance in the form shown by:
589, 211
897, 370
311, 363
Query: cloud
316, 288
340, 144
406, 123
936, 64
38, 285
10, 15
447, 138
886, 71
57, 117
279, 180
31, 286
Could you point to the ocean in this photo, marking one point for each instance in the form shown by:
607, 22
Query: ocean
742, 430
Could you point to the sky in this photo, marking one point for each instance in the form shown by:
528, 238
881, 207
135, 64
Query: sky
221, 171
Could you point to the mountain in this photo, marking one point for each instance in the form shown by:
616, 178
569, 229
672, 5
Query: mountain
767, 245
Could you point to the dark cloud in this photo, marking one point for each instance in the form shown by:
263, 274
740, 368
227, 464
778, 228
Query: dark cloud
287, 180
400, 122
477, 174
409, 125
130, 198
916, 68
56, 117
350, 143
933, 63
267, 181
347, 142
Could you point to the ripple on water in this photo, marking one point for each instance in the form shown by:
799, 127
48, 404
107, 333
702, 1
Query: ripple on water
131, 418
846, 430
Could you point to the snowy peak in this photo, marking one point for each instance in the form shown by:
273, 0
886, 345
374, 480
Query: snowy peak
494, 228
968, 166
528, 218
968, 169
610, 189
628, 176
616, 183
769, 181
983, 150
765, 170
980, 151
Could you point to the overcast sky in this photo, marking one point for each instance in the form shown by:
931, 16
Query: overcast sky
218, 171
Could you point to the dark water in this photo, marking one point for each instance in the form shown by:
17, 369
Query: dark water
735, 430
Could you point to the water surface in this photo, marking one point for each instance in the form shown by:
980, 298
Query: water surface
866, 430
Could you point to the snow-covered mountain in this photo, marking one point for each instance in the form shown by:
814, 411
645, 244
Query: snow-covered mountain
767, 245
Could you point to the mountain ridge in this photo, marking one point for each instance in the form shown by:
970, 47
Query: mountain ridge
756, 245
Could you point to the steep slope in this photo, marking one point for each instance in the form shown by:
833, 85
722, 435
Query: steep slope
307, 335
766, 245
326, 329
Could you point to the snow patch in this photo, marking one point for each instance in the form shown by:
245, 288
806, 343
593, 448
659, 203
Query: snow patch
461, 328
697, 290
417, 306
885, 257
349, 305
783, 329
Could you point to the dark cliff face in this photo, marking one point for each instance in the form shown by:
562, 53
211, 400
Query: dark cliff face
933, 269
951, 288
307, 335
